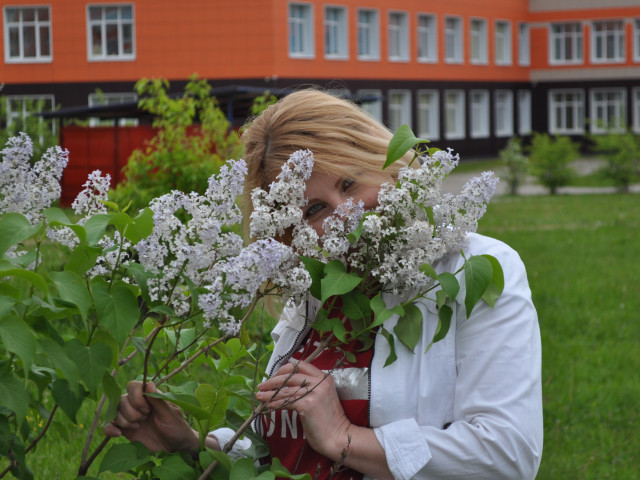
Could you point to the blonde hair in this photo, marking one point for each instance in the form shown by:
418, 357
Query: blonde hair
344, 139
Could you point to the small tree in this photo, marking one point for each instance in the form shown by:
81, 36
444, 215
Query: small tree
194, 139
516, 165
550, 160
38, 129
622, 150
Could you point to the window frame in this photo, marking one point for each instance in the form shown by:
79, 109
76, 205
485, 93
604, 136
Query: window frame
37, 32
306, 22
427, 38
578, 116
482, 39
577, 38
340, 28
524, 44
374, 31
405, 114
636, 39
110, 99
503, 43
10, 115
619, 41
635, 105
503, 116
459, 132
619, 124
431, 111
400, 33
455, 40
479, 114
372, 108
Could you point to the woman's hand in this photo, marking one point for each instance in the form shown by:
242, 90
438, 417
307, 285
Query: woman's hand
158, 424
312, 393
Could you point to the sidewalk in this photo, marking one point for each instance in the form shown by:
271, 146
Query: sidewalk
455, 181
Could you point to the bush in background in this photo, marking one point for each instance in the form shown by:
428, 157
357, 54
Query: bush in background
515, 163
622, 153
194, 139
551, 159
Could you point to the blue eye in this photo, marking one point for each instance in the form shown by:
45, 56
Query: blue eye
314, 209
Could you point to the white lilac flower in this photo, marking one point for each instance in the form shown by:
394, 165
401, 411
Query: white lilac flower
29, 189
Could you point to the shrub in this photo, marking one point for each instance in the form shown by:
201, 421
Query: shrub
193, 141
622, 151
550, 160
516, 165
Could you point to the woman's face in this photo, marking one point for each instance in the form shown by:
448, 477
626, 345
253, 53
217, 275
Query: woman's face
325, 192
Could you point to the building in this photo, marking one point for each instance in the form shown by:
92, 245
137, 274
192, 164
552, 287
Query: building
463, 74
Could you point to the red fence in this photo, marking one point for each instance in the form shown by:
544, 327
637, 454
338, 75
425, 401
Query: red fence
98, 148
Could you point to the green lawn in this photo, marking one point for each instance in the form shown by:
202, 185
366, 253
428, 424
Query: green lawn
582, 256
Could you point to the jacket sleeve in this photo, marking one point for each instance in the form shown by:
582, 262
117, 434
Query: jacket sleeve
496, 425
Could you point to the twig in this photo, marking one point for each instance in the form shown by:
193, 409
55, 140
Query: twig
92, 429
85, 466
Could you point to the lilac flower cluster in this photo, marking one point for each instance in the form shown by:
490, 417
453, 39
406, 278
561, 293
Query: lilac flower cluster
25, 188
414, 222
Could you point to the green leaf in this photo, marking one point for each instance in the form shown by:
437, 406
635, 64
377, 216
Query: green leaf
477, 275
381, 312
93, 361
123, 457
243, 469
120, 220
72, 288
117, 310
357, 233
316, 271
444, 322
83, 257
402, 141
392, 349
18, 338
496, 286
96, 226
280, 471
189, 403
32, 277
61, 362
449, 284
409, 326
428, 270
113, 393
337, 281
15, 228
356, 305
69, 401
174, 467
206, 395
55, 214
141, 226
324, 323
14, 396
6, 304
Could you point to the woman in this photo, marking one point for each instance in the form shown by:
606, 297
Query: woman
471, 407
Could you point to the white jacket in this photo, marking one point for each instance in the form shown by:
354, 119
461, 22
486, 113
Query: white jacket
472, 406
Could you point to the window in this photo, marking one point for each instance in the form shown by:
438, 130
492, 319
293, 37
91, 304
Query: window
335, 32
374, 107
368, 35
454, 114
110, 32
636, 40
399, 108
608, 110
453, 40
524, 112
565, 43
607, 41
566, 111
96, 99
636, 109
479, 100
478, 39
398, 36
301, 31
427, 34
504, 113
27, 34
503, 43
524, 45
428, 114
20, 110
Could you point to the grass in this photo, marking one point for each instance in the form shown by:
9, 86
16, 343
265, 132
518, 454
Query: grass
581, 253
